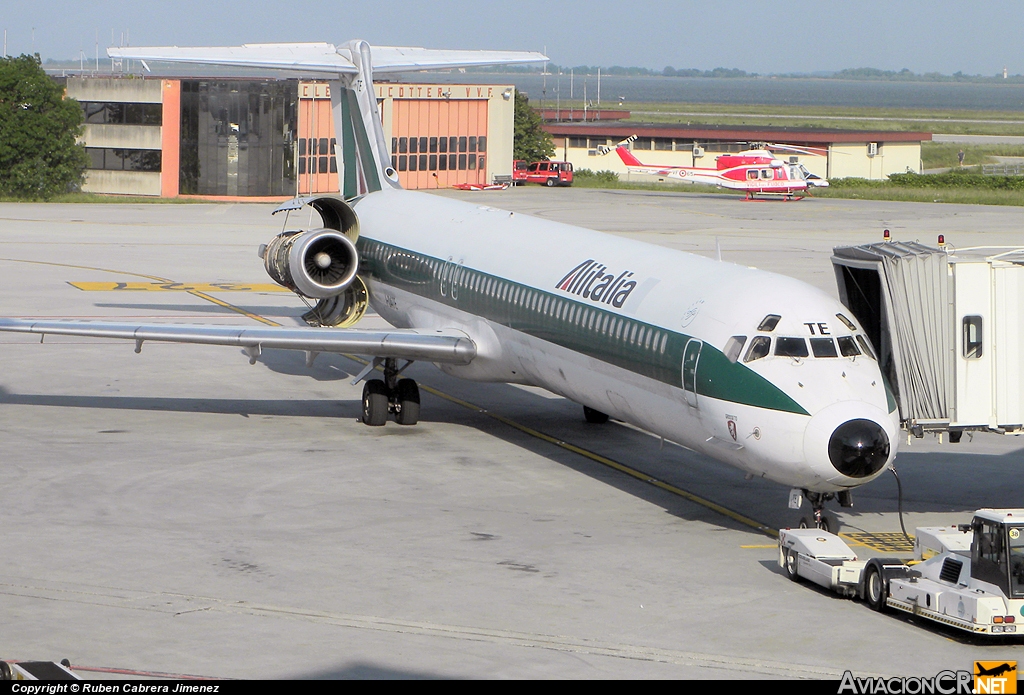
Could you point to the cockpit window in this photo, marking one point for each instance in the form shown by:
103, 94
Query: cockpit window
846, 322
823, 347
769, 322
791, 347
734, 347
760, 346
848, 346
866, 347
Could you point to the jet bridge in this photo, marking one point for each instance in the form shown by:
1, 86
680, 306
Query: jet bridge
948, 329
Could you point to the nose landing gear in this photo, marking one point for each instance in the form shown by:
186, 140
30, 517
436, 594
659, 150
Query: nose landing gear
819, 519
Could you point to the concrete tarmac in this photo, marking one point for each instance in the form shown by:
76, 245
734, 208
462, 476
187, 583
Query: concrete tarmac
180, 511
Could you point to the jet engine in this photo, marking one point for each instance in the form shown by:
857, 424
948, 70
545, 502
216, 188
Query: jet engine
322, 264
318, 263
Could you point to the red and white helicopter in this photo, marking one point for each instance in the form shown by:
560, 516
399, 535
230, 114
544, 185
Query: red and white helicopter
756, 171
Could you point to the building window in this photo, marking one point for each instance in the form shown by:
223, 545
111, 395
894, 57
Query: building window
110, 159
113, 113
972, 337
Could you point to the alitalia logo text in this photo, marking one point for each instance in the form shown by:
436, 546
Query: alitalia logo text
592, 280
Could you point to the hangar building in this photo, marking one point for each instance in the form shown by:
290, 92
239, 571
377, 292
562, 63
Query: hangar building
266, 138
827, 153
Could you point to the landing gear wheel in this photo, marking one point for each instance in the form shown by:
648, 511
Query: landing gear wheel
804, 523
825, 524
875, 588
595, 417
375, 403
791, 564
551, 183
407, 395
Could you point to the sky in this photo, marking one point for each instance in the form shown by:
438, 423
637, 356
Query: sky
762, 36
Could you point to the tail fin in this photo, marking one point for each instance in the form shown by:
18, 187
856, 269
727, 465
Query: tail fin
622, 149
364, 164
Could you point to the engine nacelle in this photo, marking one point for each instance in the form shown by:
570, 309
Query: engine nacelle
318, 263
342, 310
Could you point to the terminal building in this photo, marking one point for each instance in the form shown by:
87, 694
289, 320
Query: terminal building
263, 138
827, 153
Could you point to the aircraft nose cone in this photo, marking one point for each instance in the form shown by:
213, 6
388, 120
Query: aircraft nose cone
858, 448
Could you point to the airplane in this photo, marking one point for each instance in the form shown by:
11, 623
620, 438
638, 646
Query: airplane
996, 670
757, 171
750, 368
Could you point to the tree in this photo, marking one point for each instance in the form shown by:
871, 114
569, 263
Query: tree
39, 128
531, 142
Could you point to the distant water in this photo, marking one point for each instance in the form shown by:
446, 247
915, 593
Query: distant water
790, 92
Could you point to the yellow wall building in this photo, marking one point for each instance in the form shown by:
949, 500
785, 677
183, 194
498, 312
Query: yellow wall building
826, 153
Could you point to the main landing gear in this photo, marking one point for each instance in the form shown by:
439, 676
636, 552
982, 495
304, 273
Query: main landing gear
391, 395
820, 519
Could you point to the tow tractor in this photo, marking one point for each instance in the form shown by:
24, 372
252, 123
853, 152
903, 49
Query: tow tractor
969, 576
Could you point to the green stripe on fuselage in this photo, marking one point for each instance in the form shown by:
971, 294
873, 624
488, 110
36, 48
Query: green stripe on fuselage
565, 320
349, 164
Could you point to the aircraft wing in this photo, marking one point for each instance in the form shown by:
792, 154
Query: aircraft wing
450, 347
323, 57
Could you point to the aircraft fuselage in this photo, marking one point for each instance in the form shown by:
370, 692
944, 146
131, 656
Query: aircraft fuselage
640, 332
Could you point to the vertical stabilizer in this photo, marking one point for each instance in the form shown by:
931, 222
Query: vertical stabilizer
364, 165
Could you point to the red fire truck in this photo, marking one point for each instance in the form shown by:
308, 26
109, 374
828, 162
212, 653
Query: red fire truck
545, 173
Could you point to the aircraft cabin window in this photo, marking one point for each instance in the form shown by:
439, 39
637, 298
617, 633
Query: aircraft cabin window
823, 347
734, 346
848, 346
865, 347
972, 337
846, 322
769, 322
752, 174
791, 347
760, 346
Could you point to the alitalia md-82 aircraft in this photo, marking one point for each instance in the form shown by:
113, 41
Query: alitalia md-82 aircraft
754, 369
